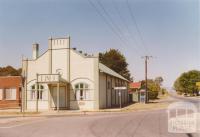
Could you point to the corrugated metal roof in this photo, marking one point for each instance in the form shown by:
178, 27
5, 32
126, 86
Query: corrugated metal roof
109, 71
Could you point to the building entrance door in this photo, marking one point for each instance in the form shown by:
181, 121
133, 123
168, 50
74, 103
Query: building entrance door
62, 96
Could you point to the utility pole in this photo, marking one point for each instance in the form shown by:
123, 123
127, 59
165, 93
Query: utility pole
146, 58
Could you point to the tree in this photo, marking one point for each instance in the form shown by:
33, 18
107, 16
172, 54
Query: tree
186, 82
10, 71
153, 88
115, 60
159, 80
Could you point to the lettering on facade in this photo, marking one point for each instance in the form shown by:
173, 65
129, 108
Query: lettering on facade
48, 78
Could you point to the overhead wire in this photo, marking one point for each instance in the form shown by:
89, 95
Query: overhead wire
105, 19
126, 26
137, 27
108, 20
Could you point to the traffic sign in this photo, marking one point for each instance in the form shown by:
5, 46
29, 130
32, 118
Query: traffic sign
198, 84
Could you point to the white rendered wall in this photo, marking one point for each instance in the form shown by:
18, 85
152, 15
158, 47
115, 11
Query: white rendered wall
60, 56
81, 71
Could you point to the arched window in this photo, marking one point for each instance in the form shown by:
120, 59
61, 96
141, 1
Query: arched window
39, 94
82, 91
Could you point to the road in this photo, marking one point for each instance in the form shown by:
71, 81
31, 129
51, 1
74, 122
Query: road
152, 123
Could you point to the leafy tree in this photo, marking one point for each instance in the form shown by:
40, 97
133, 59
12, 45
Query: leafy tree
177, 86
152, 87
10, 71
186, 82
115, 60
163, 91
159, 80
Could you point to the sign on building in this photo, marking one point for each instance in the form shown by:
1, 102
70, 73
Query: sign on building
48, 78
198, 84
120, 88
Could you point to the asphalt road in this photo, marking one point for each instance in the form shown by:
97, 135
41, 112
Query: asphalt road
151, 123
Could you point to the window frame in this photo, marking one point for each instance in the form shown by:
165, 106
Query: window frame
11, 91
81, 88
37, 95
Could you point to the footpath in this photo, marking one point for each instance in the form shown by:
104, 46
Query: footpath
15, 116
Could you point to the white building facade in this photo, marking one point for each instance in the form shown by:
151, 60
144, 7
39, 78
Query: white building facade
64, 78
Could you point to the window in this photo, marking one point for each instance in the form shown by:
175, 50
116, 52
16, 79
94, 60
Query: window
1, 94
81, 94
41, 94
82, 91
34, 94
10, 94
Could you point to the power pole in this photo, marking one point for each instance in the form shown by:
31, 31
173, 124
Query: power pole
146, 58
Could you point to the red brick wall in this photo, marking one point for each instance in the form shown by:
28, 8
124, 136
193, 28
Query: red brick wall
11, 82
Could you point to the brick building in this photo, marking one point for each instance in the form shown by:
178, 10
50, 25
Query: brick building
10, 90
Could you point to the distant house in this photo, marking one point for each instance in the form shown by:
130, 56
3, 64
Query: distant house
10, 91
135, 85
134, 89
64, 78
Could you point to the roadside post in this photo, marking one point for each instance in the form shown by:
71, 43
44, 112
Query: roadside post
22, 89
58, 97
23, 96
146, 58
120, 99
37, 92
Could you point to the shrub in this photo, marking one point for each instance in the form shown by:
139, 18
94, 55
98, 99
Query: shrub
153, 95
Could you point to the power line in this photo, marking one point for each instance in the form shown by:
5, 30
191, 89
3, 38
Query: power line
105, 20
117, 31
136, 25
111, 20
125, 24
108, 15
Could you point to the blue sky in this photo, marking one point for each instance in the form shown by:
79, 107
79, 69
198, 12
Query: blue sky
169, 29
